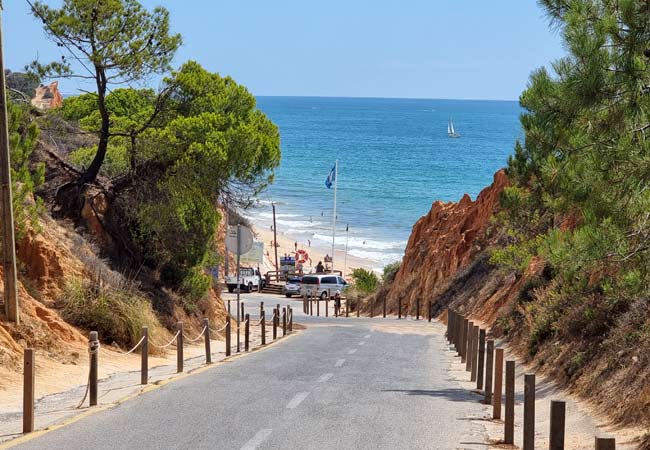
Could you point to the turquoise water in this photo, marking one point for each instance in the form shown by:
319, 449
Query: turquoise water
395, 159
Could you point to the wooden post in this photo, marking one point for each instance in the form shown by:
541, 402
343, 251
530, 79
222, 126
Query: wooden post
429, 316
179, 347
318, 307
228, 335
474, 367
498, 383
275, 324
263, 327
144, 357
459, 333
481, 360
208, 350
358, 308
347, 311
463, 342
489, 367
371, 308
399, 308
468, 346
509, 434
261, 307
290, 319
417, 308
529, 412
228, 307
247, 330
605, 443
284, 321
327, 306
93, 345
311, 306
29, 375
384, 306
556, 438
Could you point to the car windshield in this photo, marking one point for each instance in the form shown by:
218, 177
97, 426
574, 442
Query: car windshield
246, 272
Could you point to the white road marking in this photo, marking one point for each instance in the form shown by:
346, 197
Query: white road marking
362, 343
352, 352
366, 336
297, 400
325, 377
339, 362
257, 439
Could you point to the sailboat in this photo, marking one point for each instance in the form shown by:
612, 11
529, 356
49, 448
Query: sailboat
451, 132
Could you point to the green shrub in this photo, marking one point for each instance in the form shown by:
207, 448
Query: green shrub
366, 281
390, 271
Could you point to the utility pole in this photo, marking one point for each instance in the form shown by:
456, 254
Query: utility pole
8, 238
275, 243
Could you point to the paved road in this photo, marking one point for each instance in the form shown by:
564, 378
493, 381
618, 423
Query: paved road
339, 384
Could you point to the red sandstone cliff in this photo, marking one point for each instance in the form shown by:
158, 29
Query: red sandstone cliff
441, 243
48, 97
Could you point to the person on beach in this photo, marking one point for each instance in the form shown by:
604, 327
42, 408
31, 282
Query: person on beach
320, 268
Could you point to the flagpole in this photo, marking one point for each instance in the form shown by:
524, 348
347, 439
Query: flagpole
336, 181
347, 237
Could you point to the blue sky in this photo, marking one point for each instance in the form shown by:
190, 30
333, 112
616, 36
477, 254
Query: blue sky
465, 49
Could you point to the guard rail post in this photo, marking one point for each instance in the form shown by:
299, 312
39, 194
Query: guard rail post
529, 412
509, 431
429, 316
558, 413
605, 443
284, 321
179, 347
275, 324
290, 319
468, 346
489, 367
263, 327
208, 350
228, 335
247, 330
417, 308
473, 367
399, 308
498, 383
261, 307
144, 357
327, 306
347, 311
463, 342
481, 360
29, 375
384, 306
93, 346
317, 306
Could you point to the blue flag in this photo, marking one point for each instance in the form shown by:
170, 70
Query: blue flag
331, 178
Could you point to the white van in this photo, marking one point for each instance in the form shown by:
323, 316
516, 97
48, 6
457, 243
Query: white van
322, 285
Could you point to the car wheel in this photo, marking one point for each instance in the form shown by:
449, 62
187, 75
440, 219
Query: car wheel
249, 289
287, 295
323, 296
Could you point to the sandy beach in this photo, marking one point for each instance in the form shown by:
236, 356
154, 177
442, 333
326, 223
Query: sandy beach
287, 245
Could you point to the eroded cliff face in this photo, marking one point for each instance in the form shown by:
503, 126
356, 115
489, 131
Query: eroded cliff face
48, 97
441, 243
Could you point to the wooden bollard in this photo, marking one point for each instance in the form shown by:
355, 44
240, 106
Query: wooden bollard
275, 324
463, 342
474, 367
144, 357
529, 412
468, 346
327, 306
228, 307
284, 321
228, 335
208, 350
498, 383
290, 319
347, 311
399, 308
417, 308
605, 443
558, 414
358, 308
384, 306
489, 368
481, 360
261, 307
179, 347
247, 331
317, 306
263, 327
311, 306
93, 345
509, 430
429, 316
450, 326
29, 376
372, 307
459, 332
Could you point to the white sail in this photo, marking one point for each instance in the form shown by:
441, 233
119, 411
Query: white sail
449, 127
452, 128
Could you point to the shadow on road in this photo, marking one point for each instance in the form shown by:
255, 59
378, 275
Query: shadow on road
455, 394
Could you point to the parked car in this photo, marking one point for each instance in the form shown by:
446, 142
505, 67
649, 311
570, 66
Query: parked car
249, 279
322, 285
292, 286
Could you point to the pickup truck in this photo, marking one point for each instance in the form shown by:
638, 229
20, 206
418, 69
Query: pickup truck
249, 280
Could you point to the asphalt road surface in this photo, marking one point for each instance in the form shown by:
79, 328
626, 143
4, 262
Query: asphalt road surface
339, 384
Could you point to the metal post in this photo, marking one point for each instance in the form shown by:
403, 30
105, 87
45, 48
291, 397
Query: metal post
93, 346
228, 335
263, 327
275, 243
489, 367
498, 383
29, 375
144, 357
605, 443
6, 204
208, 350
481, 360
509, 431
468, 346
247, 325
238, 279
558, 413
179, 347
529, 412
284, 321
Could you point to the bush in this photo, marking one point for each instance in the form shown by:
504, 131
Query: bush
117, 314
390, 271
366, 281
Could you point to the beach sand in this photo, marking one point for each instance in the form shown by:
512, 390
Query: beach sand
316, 253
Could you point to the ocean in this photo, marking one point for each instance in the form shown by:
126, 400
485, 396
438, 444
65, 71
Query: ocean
395, 160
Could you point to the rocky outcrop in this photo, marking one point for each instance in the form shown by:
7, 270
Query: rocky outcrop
48, 97
441, 243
